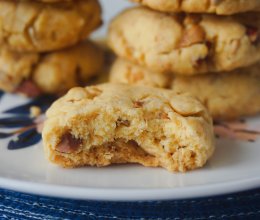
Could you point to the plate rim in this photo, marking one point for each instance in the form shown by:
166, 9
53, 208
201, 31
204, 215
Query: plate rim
128, 194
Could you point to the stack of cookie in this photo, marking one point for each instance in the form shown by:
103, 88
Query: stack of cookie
43, 47
214, 54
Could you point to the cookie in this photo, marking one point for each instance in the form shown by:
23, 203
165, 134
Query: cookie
52, 73
52, 1
32, 26
117, 123
186, 44
123, 71
221, 7
228, 95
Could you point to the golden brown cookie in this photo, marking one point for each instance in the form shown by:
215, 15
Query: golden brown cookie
51, 1
39, 27
227, 96
221, 7
186, 44
123, 71
116, 123
52, 73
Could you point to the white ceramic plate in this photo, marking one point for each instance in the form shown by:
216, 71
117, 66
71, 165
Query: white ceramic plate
234, 167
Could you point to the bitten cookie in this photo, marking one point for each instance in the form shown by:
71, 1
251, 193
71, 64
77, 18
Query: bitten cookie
39, 27
227, 95
117, 123
186, 44
221, 7
53, 73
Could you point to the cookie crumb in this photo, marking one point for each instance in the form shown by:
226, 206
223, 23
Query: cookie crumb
35, 111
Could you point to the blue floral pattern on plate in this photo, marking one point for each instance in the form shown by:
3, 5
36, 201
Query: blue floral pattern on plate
22, 129
1, 94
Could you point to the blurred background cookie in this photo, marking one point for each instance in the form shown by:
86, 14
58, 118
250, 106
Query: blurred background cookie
52, 73
29, 25
186, 44
123, 71
228, 95
222, 7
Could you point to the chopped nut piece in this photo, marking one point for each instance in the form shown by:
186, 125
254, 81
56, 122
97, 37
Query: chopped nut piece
163, 115
194, 34
94, 92
235, 45
138, 104
122, 122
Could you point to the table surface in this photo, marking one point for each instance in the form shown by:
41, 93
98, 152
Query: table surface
243, 205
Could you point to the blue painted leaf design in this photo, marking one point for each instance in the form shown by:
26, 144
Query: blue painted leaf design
25, 139
5, 135
15, 122
1, 94
42, 102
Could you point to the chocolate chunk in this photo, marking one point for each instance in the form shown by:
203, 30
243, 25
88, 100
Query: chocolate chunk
68, 144
253, 34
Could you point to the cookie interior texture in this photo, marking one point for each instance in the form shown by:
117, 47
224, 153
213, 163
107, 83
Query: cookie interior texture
228, 95
26, 25
221, 7
116, 123
52, 73
186, 44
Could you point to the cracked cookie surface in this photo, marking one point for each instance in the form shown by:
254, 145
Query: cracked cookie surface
186, 44
117, 123
39, 27
227, 96
221, 7
52, 73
